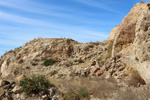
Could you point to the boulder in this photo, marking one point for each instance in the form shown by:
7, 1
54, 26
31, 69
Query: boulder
17, 89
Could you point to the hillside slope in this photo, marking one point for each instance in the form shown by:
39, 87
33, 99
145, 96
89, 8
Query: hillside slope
116, 69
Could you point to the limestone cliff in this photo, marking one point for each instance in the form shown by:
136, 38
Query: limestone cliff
132, 38
125, 32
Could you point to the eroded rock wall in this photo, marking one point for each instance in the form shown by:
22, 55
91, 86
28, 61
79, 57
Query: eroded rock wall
142, 45
125, 34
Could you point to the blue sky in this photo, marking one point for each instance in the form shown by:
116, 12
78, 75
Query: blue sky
81, 20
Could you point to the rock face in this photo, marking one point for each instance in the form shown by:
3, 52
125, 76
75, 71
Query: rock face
125, 32
142, 45
120, 62
132, 38
113, 33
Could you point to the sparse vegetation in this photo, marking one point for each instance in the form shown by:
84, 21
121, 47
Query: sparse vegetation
136, 80
77, 95
34, 85
53, 73
109, 51
83, 93
91, 45
49, 62
66, 98
79, 61
69, 63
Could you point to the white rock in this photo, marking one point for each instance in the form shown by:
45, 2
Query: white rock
17, 89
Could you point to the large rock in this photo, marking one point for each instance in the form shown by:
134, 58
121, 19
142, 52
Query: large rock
141, 45
131, 38
125, 33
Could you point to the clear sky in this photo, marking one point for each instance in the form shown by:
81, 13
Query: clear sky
81, 20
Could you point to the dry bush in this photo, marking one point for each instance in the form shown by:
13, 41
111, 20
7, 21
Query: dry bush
81, 94
136, 80
132, 93
35, 84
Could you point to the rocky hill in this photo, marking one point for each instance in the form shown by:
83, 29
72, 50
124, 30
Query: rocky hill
115, 69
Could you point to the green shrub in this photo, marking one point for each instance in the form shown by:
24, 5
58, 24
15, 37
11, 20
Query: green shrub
83, 93
66, 98
49, 62
79, 61
34, 85
53, 73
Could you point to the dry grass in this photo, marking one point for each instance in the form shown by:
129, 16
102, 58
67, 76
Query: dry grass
109, 51
81, 94
107, 89
98, 87
136, 80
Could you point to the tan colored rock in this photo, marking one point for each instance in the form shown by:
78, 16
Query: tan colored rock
6, 66
113, 33
125, 34
100, 72
28, 60
141, 54
19, 78
132, 39
17, 89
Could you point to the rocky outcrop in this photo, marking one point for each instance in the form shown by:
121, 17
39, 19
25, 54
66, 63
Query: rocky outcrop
29, 58
132, 39
125, 34
141, 44
113, 33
